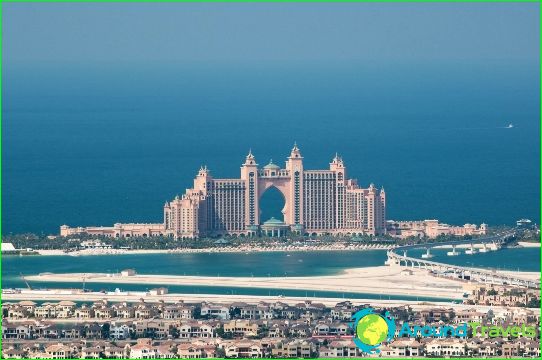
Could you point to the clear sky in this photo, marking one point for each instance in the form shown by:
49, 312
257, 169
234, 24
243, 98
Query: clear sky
142, 32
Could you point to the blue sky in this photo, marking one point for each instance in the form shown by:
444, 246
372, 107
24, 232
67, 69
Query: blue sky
187, 32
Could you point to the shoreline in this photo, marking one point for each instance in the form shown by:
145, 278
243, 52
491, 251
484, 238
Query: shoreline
375, 280
254, 249
135, 296
527, 244
383, 280
241, 249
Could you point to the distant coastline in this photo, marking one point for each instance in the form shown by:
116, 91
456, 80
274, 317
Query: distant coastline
32, 244
240, 249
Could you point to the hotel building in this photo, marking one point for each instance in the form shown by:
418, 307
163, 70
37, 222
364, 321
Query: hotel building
431, 229
316, 202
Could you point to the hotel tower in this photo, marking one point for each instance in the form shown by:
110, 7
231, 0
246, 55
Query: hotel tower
316, 202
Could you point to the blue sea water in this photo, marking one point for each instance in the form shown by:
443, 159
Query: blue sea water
200, 264
512, 259
270, 264
104, 143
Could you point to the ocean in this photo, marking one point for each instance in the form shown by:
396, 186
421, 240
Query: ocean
104, 143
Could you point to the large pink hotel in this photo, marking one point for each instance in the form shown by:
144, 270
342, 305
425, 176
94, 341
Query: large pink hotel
316, 202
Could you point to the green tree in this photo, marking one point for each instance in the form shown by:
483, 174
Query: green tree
105, 330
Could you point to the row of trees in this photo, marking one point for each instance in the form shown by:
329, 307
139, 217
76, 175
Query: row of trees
34, 241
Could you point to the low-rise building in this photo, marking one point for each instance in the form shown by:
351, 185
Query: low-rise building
445, 347
402, 348
243, 328
178, 311
197, 329
215, 311
244, 349
431, 229
91, 352
340, 348
119, 332
84, 312
297, 348
58, 351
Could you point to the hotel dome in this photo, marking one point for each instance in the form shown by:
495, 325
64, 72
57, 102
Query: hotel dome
271, 166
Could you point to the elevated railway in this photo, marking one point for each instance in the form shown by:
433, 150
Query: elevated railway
399, 257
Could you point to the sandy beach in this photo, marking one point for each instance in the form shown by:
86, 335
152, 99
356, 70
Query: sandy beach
529, 244
137, 296
383, 280
237, 249
521, 274
133, 296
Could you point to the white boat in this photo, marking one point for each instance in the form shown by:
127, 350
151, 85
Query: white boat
510, 126
523, 222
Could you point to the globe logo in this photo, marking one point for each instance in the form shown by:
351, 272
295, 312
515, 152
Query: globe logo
371, 330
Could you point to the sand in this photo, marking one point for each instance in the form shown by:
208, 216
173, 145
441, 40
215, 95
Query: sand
380, 280
528, 244
59, 295
236, 249
135, 296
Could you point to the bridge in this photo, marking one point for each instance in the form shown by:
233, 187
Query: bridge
399, 257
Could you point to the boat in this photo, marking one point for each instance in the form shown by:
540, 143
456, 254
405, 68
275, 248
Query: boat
523, 222
510, 126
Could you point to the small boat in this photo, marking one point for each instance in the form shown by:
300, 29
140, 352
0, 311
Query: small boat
510, 126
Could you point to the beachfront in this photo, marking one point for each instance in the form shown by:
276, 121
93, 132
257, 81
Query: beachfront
383, 280
226, 249
136, 296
